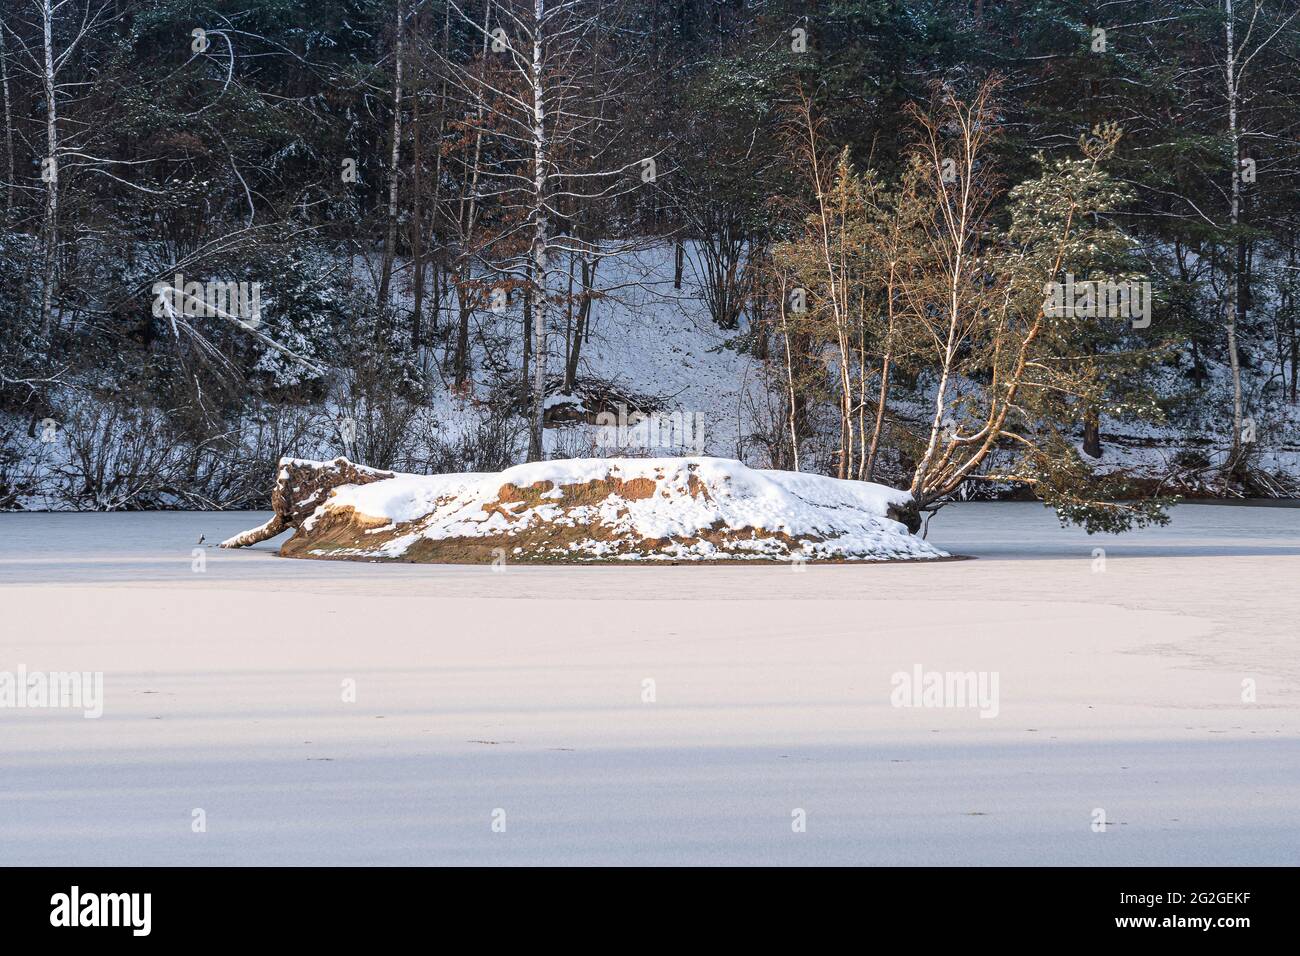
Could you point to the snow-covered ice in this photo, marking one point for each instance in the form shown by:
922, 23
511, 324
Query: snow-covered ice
1120, 682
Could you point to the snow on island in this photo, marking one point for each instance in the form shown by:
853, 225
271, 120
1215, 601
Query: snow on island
587, 510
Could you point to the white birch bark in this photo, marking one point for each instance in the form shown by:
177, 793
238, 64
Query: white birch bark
541, 228
52, 174
390, 239
1230, 301
9, 123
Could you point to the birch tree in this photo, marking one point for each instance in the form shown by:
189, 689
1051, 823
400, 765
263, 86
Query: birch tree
395, 149
557, 148
1003, 377
10, 173
1011, 384
50, 165
1237, 60
62, 32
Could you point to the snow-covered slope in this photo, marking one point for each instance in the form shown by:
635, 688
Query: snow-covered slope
647, 339
613, 509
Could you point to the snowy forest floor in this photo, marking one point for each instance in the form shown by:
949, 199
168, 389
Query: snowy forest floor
649, 344
1120, 689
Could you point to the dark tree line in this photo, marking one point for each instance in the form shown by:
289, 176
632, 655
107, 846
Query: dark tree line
393, 173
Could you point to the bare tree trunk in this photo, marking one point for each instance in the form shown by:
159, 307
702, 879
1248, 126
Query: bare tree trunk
834, 261
958, 236
390, 239
584, 312
417, 224
568, 322
1295, 342
51, 174
527, 335
541, 239
417, 328
467, 219
1230, 303
941, 393
882, 400
789, 377
461, 361
9, 124
1295, 358
1091, 433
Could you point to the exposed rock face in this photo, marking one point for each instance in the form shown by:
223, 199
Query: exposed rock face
675, 509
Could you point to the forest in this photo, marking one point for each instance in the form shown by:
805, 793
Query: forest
1036, 248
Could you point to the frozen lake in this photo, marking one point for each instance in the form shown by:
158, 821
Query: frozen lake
522, 697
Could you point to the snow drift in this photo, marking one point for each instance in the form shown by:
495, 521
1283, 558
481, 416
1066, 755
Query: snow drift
583, 510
